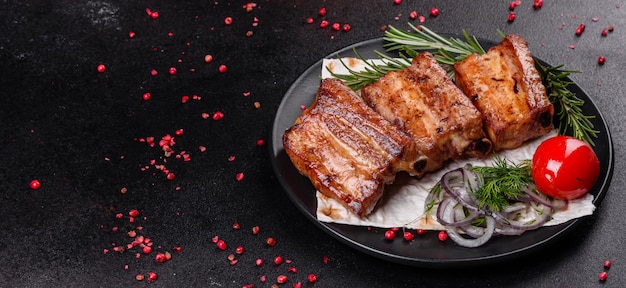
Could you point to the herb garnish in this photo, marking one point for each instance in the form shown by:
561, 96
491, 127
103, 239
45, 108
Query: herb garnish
504, 181
448, 51
570, 106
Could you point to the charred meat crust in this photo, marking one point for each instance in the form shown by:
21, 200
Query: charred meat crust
348, 151
507, 89
424, 102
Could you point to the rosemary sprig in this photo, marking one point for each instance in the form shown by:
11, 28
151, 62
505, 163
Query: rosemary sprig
357, 79
448, 51
570, 111
503, 181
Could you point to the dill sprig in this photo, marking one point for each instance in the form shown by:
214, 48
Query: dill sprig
448, 51
503, 181
570, 113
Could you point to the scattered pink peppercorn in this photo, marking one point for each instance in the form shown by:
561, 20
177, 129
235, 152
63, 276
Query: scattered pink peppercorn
173, 70
420, 231
346, 27
170, 176
322, 11
218, 116
34, 184
607, 264
184, 99
511, 17
154, 72
281, 279
323, 24
611, 28
271, 241
258, 262
312, 278
309, 20
146, 96
260, 142
147, 250
408, 236
222, 68
239, 176
154, 15
133, 213
152, 277
413, 14
537, 4
160, 258
390, 234
604, 32
434, 12
228, 20
603, 275
131, 34
580, 29
221, 245
101, 68
256, 230
278, 260
443, 236
601, 60
397, 2
139, 277
239, 250
336, 26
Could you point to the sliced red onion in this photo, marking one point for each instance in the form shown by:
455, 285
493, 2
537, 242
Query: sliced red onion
539, 197
459, 211
473, 242
540, 216
450, 213
454, 183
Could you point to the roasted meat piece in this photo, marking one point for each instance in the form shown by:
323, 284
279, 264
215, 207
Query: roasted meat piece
347, 150
506, 88
423, 101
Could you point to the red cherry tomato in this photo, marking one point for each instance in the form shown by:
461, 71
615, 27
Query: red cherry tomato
564, 167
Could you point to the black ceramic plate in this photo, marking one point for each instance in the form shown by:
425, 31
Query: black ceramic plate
426, 250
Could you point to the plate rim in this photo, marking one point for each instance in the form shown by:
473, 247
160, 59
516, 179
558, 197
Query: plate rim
332, 228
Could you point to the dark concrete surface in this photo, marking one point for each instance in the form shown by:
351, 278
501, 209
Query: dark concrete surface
80, 132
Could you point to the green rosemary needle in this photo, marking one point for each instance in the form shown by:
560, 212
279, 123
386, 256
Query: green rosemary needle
568, 104
357, 79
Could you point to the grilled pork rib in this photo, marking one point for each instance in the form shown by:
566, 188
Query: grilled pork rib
348, 151
506, 88
422, 101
